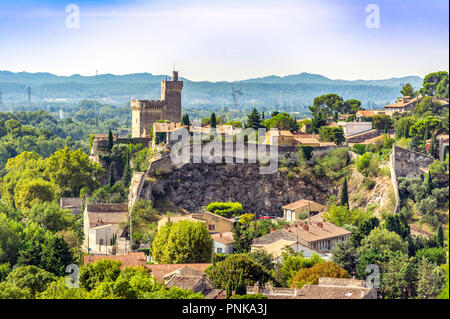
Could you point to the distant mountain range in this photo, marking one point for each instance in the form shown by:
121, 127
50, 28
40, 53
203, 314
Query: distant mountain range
290, 93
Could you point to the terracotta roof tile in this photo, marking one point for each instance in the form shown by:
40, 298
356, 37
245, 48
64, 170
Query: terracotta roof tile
159, 270
130, 259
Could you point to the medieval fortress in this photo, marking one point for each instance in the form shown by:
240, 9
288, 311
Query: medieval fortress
146, 112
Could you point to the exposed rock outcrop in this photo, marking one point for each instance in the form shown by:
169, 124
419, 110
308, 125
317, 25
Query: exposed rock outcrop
197, 185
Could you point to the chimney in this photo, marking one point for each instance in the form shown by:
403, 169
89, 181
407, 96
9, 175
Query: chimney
320, 224
306, 227
220, 234
272, 230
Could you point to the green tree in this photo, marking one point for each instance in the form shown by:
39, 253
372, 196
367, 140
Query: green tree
403, 125
254, 120
430, 280
398, 224
241, 288
431, 81
282, 121
100, 271
440, 237
242, 239
381, 122
71, 171
311, 275
57, 256
127, 173
344, 255
182, 242
352, 106
31, 277
111, 180
230, 269
332, 134
383, 240
185, 120
229, 290
399, 277
33, 191
52, 217
364, 229
10, 239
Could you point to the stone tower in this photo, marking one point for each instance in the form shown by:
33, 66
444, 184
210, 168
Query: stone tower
145, 112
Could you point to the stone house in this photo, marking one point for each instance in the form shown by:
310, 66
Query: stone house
319, 235
404, 104
282, 137
327, 288
216, 223
102, 223
409, 163
223, 242
74, 204
195, 280
353, 128
292, 211
173, 219
277, 248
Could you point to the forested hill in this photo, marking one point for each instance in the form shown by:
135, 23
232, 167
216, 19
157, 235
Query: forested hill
291, 93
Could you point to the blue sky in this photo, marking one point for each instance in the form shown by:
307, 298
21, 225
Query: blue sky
226, 40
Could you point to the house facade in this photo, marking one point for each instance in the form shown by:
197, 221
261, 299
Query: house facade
293, 211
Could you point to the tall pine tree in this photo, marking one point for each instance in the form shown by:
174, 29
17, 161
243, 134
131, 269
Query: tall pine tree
440, 237
213, 121
112, 180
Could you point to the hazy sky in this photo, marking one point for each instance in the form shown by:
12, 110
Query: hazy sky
226, 40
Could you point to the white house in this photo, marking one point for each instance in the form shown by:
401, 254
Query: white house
278, 247
352, 128
223, 242
103, 222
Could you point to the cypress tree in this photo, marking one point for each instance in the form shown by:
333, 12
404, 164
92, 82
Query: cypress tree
433, 146
110, 140
254, 120
213, 122
126, 178
229, 290
241, 289
440, 237
344, 194
112, 180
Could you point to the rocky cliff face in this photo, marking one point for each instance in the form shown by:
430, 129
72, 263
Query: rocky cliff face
197, 185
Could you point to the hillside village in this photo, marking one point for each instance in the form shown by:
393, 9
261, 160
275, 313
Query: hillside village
356, 192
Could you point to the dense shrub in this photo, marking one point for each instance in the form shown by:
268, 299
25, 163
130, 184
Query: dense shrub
227, 210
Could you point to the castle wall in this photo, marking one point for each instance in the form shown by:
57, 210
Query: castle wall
408, 163
146, 112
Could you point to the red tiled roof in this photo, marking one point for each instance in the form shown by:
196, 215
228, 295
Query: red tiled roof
130, 259
160, 270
